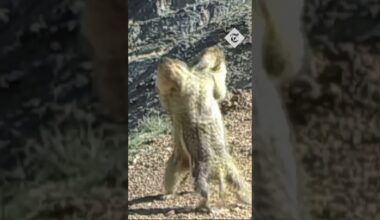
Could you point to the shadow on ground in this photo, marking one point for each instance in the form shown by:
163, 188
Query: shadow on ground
155, 211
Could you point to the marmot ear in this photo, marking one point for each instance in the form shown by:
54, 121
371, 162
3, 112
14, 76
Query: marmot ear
171, 76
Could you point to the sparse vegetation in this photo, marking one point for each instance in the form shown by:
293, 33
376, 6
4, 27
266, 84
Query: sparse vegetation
63, 164
73, 166
68, 169
149, 128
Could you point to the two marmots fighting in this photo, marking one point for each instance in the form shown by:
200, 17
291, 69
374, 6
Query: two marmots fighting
190, 94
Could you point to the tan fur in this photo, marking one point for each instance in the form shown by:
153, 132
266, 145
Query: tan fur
191, 95
105, 26
283, 41
212, 60
280, 54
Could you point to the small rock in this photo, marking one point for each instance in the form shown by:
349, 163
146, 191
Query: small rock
171, 212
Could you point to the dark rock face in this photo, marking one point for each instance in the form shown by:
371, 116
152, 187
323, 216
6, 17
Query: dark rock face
182, 29
46, 64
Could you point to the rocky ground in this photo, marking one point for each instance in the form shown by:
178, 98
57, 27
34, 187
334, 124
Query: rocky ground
145, 172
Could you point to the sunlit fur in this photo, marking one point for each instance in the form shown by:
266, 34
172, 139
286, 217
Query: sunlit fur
190, 94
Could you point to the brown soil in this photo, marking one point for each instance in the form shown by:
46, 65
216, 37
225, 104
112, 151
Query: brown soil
145, 174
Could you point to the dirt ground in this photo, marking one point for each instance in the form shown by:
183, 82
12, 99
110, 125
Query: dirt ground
145, 174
